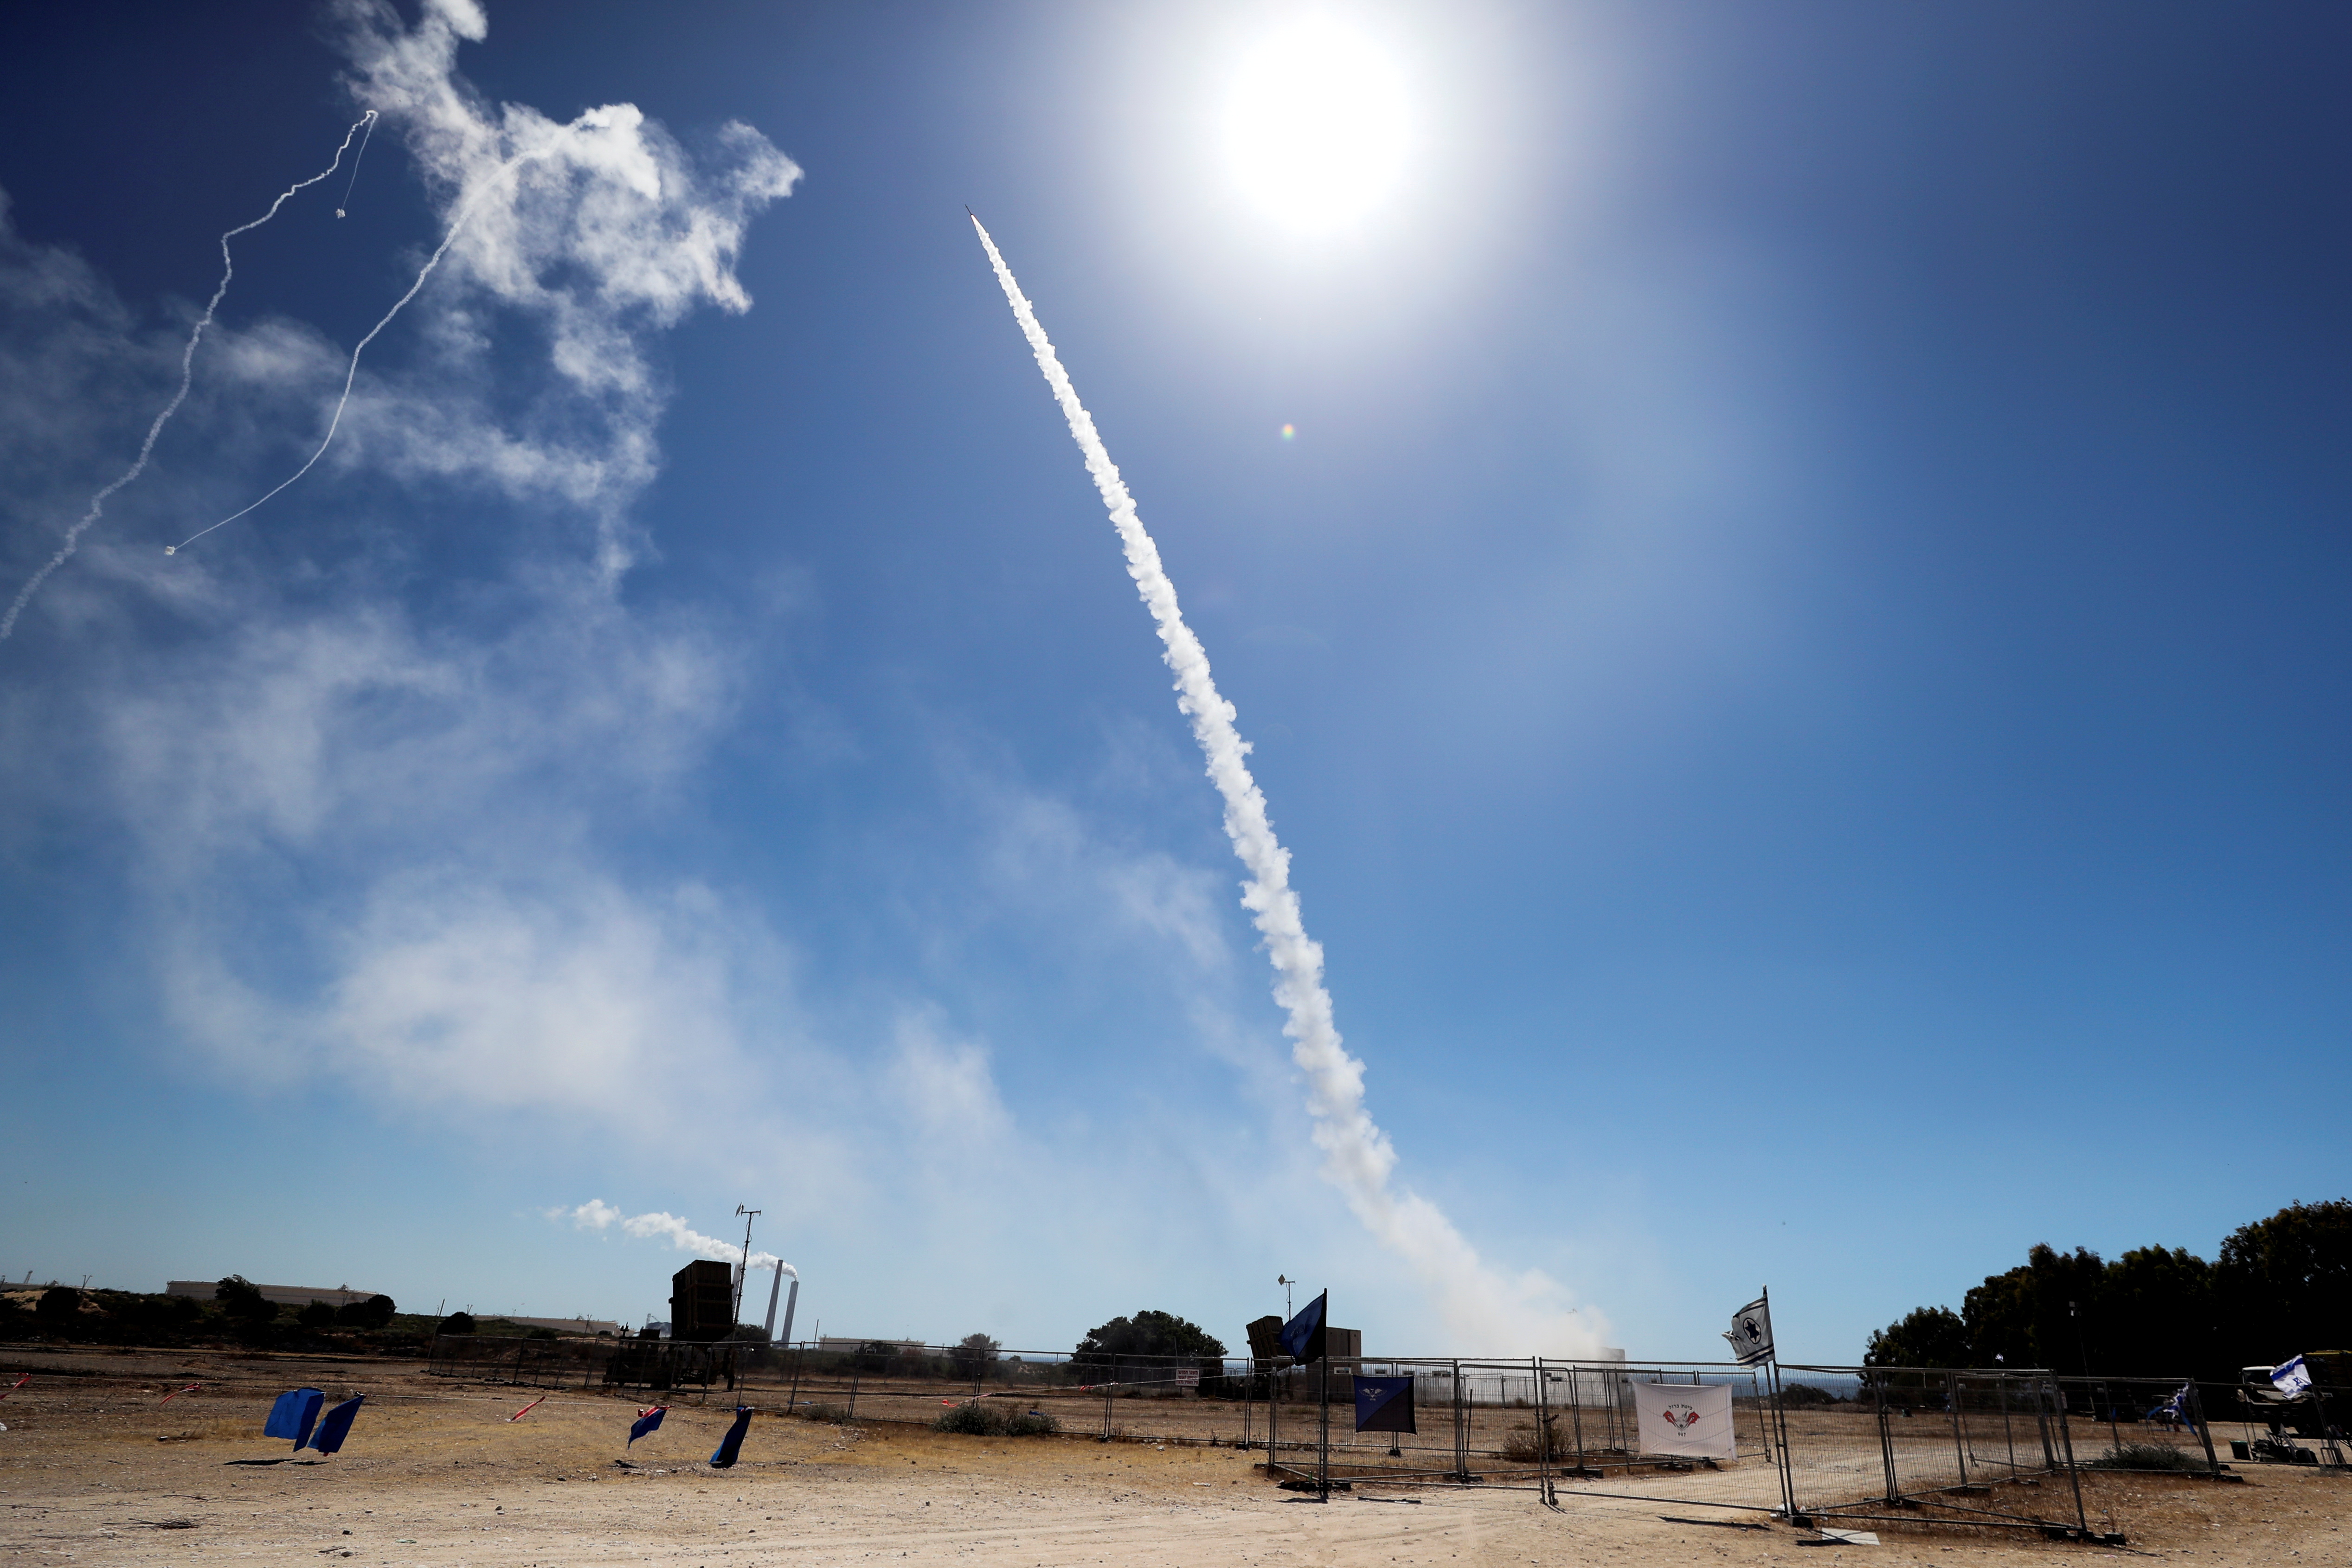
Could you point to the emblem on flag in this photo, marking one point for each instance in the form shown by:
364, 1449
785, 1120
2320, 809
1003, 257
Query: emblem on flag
1751, 1334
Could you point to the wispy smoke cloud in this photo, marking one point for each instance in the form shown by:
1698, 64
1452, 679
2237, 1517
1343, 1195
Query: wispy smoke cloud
431, 769
599, 1216
608, 192
599, 230
1478, 1304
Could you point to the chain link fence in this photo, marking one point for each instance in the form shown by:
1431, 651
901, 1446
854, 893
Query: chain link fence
1992, 1449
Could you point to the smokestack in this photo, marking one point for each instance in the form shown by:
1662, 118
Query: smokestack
771, 1300
792, 1299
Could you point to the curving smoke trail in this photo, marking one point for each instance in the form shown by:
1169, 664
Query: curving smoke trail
1481, 1306
366, 122
351, 371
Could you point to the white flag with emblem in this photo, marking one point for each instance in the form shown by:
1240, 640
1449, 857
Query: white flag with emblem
1676, 1418
1751, 1333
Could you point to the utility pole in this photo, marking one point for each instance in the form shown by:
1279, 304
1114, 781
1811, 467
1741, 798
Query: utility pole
1285, 1282
735, 1315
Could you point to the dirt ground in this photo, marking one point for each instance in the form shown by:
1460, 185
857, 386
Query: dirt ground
95, 1469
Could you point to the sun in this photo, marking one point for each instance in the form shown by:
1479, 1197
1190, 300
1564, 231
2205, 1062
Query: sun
1318, 126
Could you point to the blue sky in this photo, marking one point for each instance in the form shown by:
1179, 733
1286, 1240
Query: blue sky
1798, 647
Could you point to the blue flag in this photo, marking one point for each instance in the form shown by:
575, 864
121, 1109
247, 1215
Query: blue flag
293, 1415
1384, 1405
336, 1427
647, 1421
730, 1446
1302, 1337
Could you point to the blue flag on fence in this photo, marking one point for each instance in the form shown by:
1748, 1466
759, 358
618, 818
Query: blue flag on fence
647, 1421
293, 1415
336, 1426
1302, 1337
730, 1446
1384, 1405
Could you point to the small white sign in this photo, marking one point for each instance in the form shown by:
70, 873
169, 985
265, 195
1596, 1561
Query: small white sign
1188, 1377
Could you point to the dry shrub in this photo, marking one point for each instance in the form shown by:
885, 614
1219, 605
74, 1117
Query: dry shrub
1521, 1445
982, 1418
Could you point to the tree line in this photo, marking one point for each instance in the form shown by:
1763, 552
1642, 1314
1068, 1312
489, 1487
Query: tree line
2279, 1286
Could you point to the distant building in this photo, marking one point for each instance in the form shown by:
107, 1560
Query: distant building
702, 1301
283, 1295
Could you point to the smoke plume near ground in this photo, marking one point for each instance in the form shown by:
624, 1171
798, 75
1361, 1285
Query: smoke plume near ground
598, 1214
1482, 1308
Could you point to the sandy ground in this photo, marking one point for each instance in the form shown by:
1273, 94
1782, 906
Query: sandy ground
96, 1469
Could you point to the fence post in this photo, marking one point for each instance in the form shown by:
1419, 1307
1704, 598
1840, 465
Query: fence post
792, 1400
1461, 1432
856, 1373
1543, 1436
2007, 1437
2066, 1452
1575, 1413
1776, 1424
1323, 1449
1959, 1442
2041, 1420
1885, 1440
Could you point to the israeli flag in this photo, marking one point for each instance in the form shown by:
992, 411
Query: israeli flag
2292, 1378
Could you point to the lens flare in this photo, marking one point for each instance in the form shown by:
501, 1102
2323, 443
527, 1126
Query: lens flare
1289, 432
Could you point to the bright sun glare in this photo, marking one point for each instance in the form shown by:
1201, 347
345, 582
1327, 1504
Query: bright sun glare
1317, 126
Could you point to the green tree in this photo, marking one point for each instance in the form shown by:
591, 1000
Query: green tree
375, 1313
1146, 1344
2157, 1314
1926, 1336
58, 1310
317, 1315
456, 1324
975, 1355
242, 1299
2284, 1284
2048, 1314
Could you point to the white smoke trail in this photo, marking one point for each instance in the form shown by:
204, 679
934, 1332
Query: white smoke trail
598, 1214
1483, 1309
351, 372
187, 369
353, 183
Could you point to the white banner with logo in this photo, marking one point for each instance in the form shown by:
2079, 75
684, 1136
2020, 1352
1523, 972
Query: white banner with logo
1691, 1422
